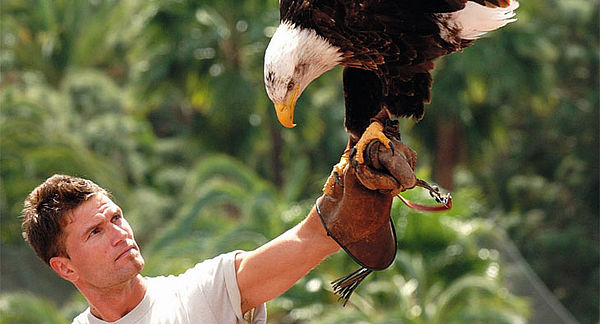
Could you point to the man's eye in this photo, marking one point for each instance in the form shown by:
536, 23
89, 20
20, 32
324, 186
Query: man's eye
116, 217
94, 231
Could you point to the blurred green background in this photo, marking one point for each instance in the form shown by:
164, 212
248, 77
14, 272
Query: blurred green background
162, 102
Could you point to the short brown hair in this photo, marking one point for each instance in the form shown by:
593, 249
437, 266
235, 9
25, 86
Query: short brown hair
45, 209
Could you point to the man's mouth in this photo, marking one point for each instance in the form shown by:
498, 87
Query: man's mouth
126, 252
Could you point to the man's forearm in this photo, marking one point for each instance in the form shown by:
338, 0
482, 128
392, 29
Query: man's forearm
273, 268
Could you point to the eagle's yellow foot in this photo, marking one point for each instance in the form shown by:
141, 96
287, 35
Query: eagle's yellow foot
336, 174
373, 132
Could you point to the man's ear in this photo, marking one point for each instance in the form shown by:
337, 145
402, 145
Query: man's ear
62, 266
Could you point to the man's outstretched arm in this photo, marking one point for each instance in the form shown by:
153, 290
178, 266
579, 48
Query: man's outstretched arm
356, 203
273, 268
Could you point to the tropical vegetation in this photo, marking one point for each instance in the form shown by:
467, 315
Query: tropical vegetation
162, 102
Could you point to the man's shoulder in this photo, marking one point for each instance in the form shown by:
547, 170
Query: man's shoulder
203, 274
209, 268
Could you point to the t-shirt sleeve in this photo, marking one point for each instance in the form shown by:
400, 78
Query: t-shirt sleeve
214, 281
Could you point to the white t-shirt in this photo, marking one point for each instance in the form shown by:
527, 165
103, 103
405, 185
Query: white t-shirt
205, 294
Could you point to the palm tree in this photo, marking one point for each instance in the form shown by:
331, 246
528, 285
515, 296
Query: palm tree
52, 37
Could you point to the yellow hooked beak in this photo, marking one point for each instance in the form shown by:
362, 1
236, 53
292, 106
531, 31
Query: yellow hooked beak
285, 111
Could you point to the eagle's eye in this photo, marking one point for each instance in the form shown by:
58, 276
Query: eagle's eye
290, 85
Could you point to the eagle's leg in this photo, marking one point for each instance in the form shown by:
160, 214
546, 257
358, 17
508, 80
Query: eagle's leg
374, 132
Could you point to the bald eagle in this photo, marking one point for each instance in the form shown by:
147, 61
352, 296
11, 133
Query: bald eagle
387, 48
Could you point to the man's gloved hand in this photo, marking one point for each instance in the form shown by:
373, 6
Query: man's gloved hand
391, 170
355, 208
356, 211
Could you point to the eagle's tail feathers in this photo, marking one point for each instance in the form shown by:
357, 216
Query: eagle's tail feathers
475, 20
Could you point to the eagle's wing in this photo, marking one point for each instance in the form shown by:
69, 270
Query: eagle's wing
398, 41
296, 10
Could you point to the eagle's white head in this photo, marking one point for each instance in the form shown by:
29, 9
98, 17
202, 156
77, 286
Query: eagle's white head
295, 56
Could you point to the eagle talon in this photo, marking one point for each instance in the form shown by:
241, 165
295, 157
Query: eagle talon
336, 177
373, 133
391, 145
353, 153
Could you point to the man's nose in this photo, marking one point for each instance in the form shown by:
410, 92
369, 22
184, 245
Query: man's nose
118, 234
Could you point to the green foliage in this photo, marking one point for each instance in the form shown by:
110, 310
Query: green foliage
21, 308
526, 100
51, 37
221, 204
162, 102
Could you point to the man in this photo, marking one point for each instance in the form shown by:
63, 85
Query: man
76, 229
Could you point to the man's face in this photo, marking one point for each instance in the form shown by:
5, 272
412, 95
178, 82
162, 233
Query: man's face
100, 244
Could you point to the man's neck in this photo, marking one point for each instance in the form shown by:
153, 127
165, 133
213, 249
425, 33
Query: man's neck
112, 303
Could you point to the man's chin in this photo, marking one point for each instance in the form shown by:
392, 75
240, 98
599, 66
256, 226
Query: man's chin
131, 267
141, 265
138, 263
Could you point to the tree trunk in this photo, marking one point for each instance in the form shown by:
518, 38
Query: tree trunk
449, 152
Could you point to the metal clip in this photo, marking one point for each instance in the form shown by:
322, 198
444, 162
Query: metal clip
434, 191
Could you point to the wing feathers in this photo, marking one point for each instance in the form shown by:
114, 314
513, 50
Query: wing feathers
494, 3
475, 20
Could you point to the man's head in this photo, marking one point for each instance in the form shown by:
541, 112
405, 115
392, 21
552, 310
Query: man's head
45, 212
75, 228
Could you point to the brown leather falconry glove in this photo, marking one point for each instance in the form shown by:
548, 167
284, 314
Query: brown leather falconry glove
355, 208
